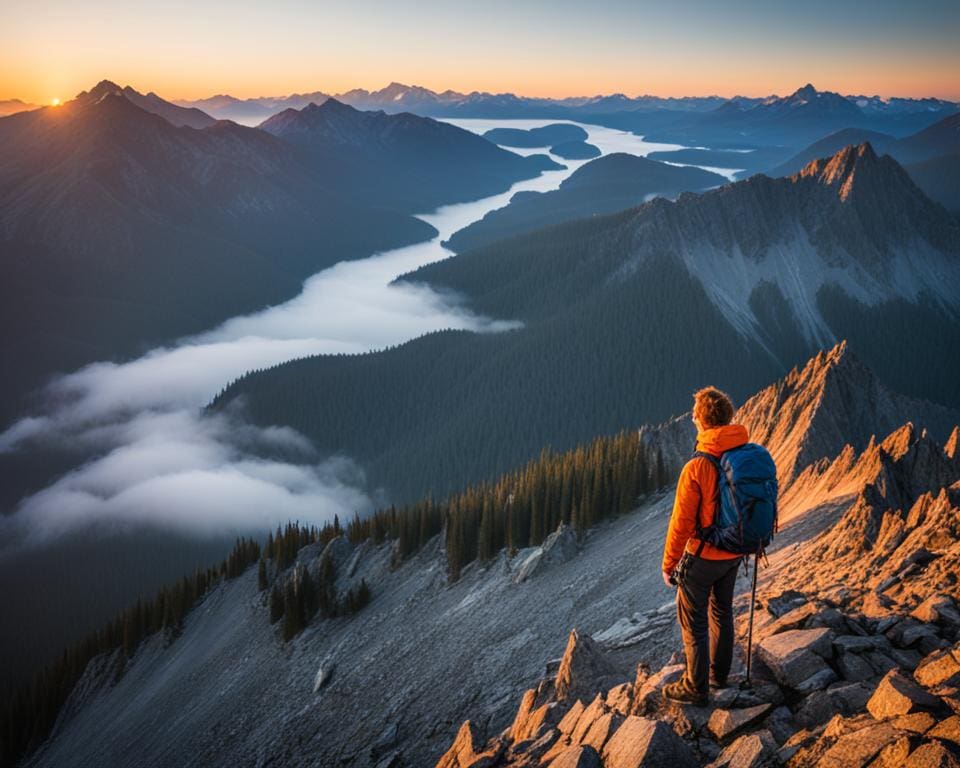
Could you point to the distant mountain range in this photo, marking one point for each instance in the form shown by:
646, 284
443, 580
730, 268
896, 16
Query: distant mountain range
400, 161
126, 220
798, 119
397, 97
12, 106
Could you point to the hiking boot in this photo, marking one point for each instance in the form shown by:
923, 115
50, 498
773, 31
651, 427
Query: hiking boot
719, 684
679, 691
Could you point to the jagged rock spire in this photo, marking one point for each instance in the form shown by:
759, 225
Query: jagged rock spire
832, 401
583, 665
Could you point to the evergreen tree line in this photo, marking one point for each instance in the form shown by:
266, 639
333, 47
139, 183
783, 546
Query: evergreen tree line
593, 482
297, 597
29, 715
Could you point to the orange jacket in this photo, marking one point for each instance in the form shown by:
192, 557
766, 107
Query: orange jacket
696, 491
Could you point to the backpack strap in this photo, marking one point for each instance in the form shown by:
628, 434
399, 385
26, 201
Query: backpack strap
716, 464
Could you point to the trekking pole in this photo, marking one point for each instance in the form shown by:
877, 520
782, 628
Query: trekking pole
753, 600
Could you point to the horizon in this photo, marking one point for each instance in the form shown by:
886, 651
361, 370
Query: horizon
539, 50
336, 93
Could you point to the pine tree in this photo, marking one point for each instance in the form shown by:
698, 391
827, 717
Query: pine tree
276, 603
262, 580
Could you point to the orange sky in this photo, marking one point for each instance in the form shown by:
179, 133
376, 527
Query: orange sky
54, 48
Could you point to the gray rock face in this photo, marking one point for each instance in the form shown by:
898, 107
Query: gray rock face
559, 547
796, 655
818, 681
643, 743
854, 668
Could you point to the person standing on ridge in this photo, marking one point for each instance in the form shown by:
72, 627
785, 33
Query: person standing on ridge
703, 572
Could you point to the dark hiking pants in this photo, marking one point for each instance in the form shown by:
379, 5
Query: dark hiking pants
705, 612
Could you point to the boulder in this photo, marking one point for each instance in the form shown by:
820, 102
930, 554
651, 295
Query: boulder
938, 608
643, 699
894, 755
577, 756
582, 668
916, 634
529, 566
796, 655
947, 730
816, 709
601, 730
530, 719
880, 662
569, 721
781, 725
939, 668
620, 697
817, 681
724, 724
558, 547
829, 617
861, 643
905, 657
640, 741
854, 667
585, 722
898, 695
751, 750
931, 755
886, 623
465, 752
519, 730
915, 722
536, 746
793, 619
851, 697
856, 749
785, 602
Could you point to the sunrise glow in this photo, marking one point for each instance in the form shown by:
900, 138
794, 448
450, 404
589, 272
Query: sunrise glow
534, 49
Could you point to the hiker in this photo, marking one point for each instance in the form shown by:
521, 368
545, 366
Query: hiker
701, 554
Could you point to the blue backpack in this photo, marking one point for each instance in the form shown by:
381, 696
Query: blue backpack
746, 510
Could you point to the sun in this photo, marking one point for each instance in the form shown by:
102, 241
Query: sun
55, 103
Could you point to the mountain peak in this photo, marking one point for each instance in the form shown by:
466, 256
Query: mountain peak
101, 89
834, 399
807, 92
845, 169
329, 108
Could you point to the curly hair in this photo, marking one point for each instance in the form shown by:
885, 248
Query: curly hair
712, 408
